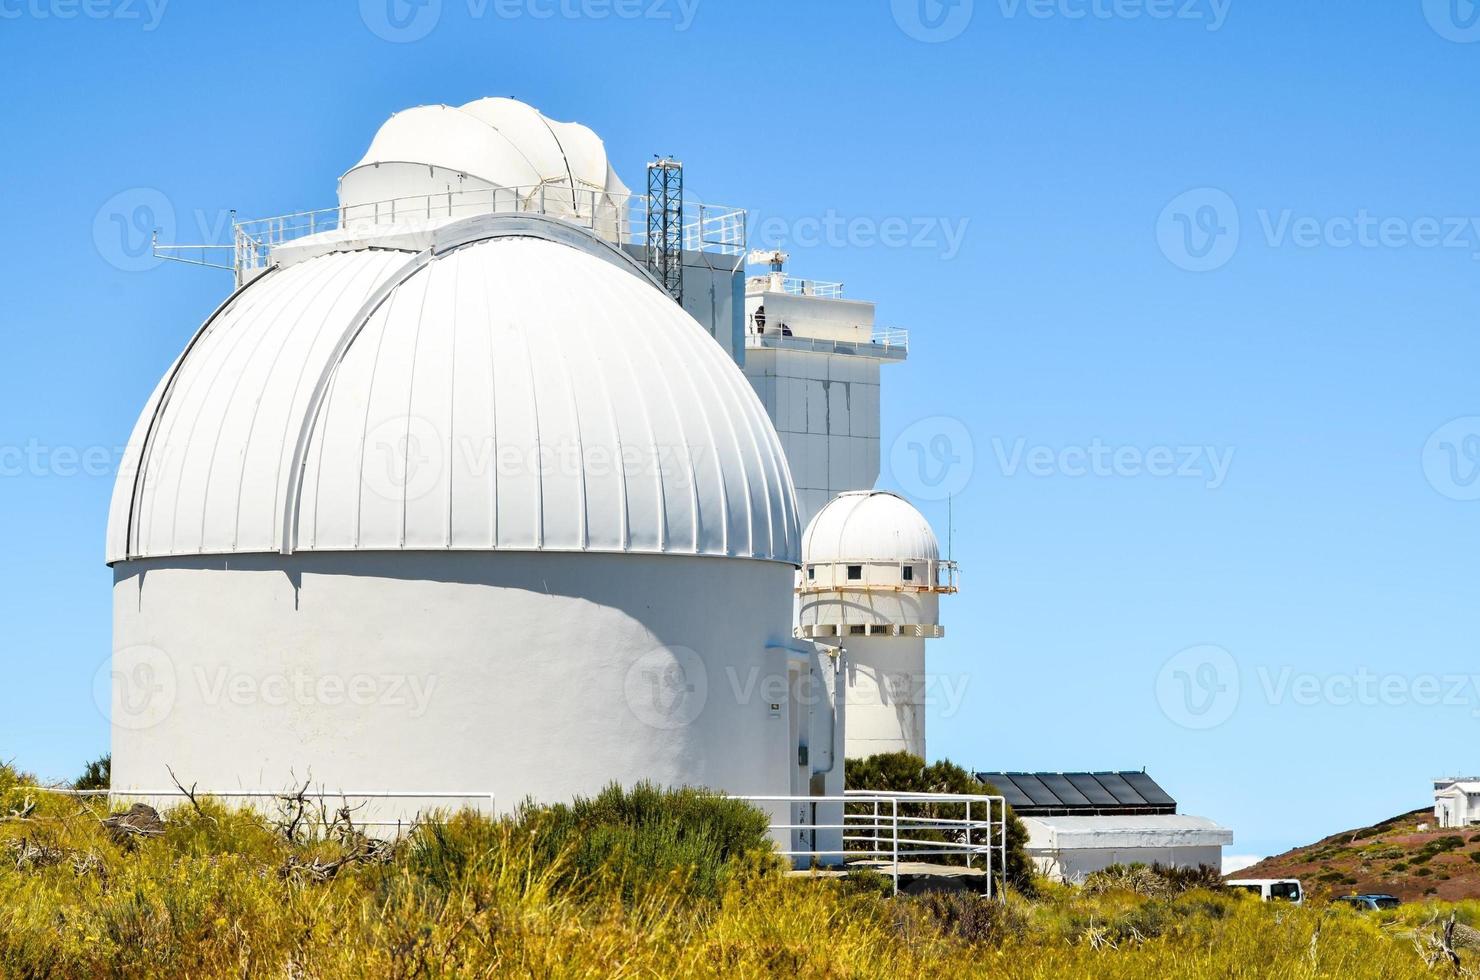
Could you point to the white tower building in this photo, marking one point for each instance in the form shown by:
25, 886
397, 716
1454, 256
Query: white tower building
871, 583
814, 359
452, 501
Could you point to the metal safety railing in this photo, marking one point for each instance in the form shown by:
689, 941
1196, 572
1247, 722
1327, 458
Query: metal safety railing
891, 343
620, 218
812, 287
892, 831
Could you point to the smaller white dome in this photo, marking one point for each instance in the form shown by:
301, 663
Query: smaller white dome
491, 155
869, 526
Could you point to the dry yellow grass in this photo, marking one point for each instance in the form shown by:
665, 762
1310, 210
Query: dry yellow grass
224, 893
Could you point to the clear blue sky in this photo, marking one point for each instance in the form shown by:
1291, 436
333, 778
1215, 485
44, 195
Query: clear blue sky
1067, 318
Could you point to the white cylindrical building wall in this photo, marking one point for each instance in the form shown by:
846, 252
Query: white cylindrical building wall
886, 687
497, 676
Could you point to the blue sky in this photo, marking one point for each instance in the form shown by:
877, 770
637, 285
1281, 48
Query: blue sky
1192, 288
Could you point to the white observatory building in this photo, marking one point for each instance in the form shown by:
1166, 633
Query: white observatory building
483, 485
451, 501
871, 583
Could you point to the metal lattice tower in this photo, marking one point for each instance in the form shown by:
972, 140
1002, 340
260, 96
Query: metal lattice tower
665, 224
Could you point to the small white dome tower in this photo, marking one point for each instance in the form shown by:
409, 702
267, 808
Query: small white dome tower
870, 584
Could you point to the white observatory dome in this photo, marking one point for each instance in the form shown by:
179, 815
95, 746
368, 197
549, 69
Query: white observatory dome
871, 566
518, 386
869, 525
487, 520
488, 155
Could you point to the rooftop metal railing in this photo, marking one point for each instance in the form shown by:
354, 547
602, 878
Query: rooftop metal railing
889, 342
812, 287
621, 219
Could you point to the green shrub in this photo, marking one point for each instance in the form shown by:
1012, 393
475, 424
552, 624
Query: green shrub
1153, 881
98, 774
636, 835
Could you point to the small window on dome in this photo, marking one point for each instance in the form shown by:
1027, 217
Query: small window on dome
909, 573
855, 573
811, 572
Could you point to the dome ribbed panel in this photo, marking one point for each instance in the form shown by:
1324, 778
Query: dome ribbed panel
514, 393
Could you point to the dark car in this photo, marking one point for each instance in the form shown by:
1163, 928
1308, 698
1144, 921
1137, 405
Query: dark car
1371, 903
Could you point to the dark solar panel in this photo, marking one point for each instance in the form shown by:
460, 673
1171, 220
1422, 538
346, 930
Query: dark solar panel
1082, 792
1015, 797
1147, 787
1063, 789
1091, 788
1123, 792
1034, 789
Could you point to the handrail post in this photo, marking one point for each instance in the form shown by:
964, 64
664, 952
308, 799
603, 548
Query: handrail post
968, 831
894, 821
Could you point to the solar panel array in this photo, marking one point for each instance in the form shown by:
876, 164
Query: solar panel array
1047, 793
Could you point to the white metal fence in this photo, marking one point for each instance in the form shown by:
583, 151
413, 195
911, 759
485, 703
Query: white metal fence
891, 831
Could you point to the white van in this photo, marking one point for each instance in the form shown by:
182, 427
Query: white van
1270, 889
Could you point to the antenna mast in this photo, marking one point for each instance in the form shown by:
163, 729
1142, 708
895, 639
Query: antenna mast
665, 224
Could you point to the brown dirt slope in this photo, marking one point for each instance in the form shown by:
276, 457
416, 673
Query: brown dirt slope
1394, 856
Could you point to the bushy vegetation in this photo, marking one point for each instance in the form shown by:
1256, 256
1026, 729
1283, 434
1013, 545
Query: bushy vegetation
901, 772
640, 883
98, 774
1153, 881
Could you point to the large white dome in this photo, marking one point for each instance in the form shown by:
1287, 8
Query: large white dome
869, 525
519, 385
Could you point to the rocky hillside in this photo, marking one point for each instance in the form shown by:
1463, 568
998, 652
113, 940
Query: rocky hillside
1394, 856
